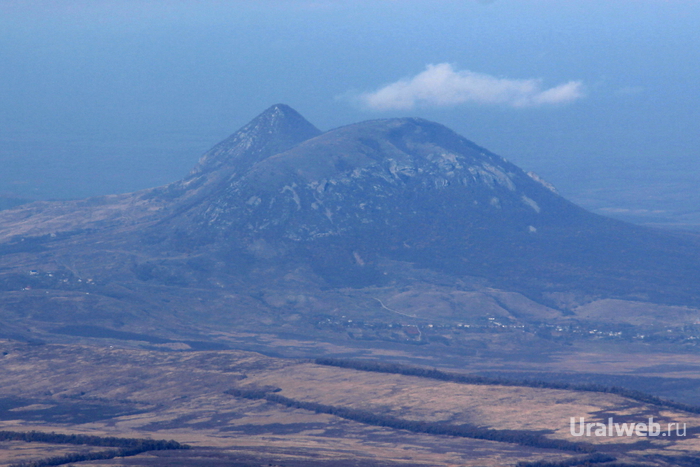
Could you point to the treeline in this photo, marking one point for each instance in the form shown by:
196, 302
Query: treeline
524, 438
431, 373
78, 457
127, 446
89, 440
594, 460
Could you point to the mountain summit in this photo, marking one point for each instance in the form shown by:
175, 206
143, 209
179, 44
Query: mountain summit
275, 130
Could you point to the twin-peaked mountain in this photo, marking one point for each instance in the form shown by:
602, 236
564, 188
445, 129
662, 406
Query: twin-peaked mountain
410, 190
280, 199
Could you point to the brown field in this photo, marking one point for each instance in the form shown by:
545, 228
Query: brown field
109, 391
12, 452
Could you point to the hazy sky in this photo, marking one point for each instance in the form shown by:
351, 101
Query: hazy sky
103, 96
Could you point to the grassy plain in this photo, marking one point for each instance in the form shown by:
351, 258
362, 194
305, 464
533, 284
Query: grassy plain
111, 391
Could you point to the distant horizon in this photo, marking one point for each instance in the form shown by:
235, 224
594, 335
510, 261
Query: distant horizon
596, 97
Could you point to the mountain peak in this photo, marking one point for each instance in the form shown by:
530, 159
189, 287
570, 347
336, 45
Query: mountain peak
280, 111
275, 130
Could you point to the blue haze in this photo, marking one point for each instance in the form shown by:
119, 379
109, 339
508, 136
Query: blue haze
114, 96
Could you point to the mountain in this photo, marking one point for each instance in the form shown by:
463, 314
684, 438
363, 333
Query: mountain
413, 190
281, 228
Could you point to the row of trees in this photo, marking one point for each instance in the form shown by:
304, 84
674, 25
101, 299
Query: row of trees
593, 460
77, 457
89, 440
525, 438
431, 373
127, 446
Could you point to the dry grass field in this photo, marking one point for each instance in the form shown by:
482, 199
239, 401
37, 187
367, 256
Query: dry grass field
19, 451
110, 391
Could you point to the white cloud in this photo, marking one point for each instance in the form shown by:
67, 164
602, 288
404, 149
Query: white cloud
442, 86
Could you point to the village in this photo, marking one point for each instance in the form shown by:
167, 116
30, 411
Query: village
424, 333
